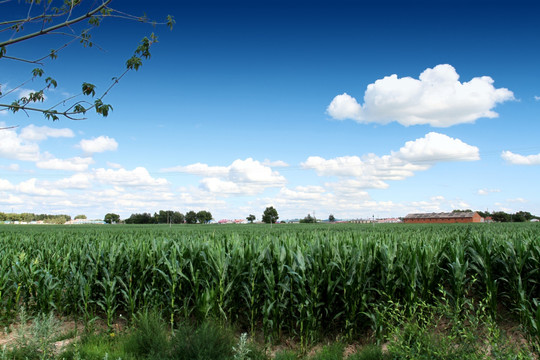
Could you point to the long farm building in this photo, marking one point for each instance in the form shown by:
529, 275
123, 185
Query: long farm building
444, 218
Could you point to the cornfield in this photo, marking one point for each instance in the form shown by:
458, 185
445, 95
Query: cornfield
295, 280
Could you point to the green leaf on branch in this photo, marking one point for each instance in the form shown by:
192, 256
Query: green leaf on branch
134, 63
79, 109
35, 96
85, 39
170, 21
101, 108
53, 54
14, 107
144, 47
37, 72
88, 89
94, 21
2, 51
51, 115
51, 82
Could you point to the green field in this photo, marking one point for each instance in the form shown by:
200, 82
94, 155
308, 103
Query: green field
300, 281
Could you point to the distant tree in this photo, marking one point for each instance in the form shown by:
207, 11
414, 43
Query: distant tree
523, 216
484, 214
308, 220
501, 216
169, 217
177, 218
251, 218
270, 215
82, 217
144, 218
111, 218
460, 211
331, 218
204, 216
191, 217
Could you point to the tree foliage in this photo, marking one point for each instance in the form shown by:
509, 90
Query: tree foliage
191, 217
74, 21
169, 217
144, 218
251, 218
204, 217
111, 218
29, 217
270, 215
308, 220
331, 218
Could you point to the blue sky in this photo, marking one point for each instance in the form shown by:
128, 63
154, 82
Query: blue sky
351, 108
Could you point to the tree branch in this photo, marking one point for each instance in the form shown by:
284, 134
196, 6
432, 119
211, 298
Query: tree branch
55, 27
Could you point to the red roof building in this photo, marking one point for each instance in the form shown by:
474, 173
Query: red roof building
443, 218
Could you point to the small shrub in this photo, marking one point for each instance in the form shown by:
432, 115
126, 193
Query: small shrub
330, 352
286, 355
150, 336
370, 352
207, 342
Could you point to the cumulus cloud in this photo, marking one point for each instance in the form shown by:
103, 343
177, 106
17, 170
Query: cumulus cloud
30, 187
487, 191
6, 185
11, 199
12, 146
371, 171
122, 177
438, 147
517, 159
76, 181
242, 177
436, 98
99, 144
38, 133
73, 164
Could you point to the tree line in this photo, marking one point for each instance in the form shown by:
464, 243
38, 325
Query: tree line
501, 216
163, 217
29, 217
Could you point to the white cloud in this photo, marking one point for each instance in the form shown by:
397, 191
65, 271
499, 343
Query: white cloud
73, 164
537, 98
30, 187
487, 191
200, 169
13, 146
6, 185
370, 171
517, 159
347, 187
437, 98
77, 181
277, 163
38, 133
11, 199
242, 177
517, 200
136, 177
99, 144
437, 147
114, 165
